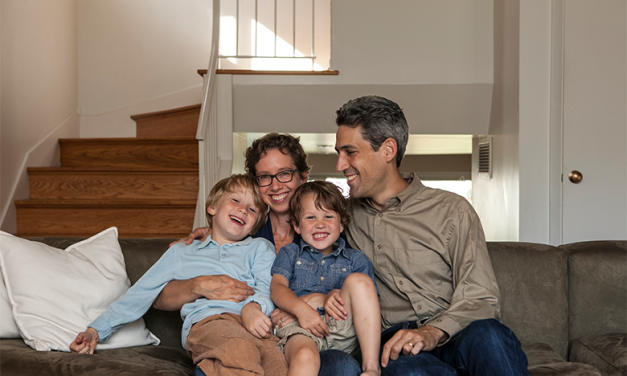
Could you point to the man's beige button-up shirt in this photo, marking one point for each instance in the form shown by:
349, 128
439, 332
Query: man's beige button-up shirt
430, 258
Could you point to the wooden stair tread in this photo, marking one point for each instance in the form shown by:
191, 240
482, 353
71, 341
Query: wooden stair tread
116, 170
67, 203
89, 234
172, 112
130, 140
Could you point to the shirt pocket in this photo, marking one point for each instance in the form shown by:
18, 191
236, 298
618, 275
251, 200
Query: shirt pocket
338, 274
303, 274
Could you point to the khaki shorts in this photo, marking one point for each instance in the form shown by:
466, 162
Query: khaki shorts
342, 337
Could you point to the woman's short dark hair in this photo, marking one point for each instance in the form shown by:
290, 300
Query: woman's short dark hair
285, 143
327, 196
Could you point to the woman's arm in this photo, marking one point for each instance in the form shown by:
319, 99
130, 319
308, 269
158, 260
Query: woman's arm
213, 287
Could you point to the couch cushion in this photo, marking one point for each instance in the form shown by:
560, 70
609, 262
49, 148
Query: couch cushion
607, 352
597, 292
533, 282
18, 359
543, 361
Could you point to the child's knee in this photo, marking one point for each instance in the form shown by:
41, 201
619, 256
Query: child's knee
306, 355
358, 281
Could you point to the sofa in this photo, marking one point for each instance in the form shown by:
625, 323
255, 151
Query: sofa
567, 305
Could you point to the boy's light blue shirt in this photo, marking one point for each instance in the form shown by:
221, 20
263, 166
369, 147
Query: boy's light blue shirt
248, 260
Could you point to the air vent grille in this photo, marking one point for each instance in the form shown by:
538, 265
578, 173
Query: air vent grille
485, 158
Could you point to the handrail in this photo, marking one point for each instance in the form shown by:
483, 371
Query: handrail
206, 134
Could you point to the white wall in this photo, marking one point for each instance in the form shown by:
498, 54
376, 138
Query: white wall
39, 92
138, 56
432, 57
496, 199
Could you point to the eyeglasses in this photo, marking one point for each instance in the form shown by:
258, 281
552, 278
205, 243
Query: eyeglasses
282, 177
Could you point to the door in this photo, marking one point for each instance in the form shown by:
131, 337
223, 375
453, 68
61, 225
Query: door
595, 120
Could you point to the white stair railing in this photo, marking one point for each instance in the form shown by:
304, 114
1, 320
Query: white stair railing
208, 161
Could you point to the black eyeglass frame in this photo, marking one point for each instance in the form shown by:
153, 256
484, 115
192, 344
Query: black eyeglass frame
276, 176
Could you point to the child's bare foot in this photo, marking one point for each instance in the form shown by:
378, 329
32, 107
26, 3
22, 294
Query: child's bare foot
371, 372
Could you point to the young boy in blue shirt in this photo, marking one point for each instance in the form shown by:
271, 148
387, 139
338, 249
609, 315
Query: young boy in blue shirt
213, 330
332, 276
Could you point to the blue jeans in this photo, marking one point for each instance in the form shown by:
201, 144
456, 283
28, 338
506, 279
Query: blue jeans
332, 363
485, 347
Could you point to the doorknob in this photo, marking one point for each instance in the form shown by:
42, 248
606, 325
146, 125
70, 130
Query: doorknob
575, 176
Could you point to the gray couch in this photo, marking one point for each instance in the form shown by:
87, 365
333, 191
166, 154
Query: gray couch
567, 305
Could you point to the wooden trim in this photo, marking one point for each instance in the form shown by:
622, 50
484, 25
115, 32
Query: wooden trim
112, 170
105, 203
174, 111
329, 72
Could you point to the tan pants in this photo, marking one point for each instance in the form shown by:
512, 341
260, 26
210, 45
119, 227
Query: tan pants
221, 346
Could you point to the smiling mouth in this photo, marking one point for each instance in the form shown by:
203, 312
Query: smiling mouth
350, 178
320, 236
238, 220
278, 198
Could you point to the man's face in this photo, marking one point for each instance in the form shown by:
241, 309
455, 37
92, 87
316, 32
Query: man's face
364, 168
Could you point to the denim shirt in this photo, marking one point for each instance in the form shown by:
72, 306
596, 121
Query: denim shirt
309, 271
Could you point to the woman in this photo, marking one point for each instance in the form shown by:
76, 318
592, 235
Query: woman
279, 165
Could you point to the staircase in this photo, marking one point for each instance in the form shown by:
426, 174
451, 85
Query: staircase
145, 186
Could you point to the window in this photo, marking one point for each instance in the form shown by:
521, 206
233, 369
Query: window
275, 34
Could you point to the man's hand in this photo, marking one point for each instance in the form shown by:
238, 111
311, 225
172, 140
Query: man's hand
310, 320
200, 233
222, 287
280, 318
85, 342
255, 321
411, 342
334, 306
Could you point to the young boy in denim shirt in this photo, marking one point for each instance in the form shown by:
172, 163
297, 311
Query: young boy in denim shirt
214, 331
332, 276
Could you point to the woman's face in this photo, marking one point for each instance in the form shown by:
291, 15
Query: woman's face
277, 195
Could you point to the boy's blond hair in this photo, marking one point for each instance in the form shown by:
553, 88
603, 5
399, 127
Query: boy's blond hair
232, 184
327, 196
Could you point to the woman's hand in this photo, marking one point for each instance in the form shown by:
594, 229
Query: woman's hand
280, 318
200, 233
334, 306
255, 321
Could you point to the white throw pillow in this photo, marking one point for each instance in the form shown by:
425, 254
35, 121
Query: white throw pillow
8, 327
54, 294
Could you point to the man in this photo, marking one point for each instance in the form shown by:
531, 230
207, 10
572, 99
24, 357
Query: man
438, 294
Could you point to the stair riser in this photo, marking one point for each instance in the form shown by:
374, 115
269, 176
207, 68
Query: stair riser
76, 221
139, 154
180, 125
94, 186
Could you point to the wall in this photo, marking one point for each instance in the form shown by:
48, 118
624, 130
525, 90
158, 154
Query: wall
496, 199
39, 92
432, 57
138, 56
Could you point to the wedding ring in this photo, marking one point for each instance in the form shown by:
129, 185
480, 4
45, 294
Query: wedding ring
282, 319
411, 344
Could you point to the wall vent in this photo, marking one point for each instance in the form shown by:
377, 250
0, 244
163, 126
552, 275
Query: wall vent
485, 158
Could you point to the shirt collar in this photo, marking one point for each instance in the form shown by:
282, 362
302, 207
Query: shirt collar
210, 241
415, 186
339, 248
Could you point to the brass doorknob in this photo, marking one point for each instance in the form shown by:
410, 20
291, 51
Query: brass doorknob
575, 176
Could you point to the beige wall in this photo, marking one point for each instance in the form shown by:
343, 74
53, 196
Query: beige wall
496, 199
432, 57
39, 91
138, 56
